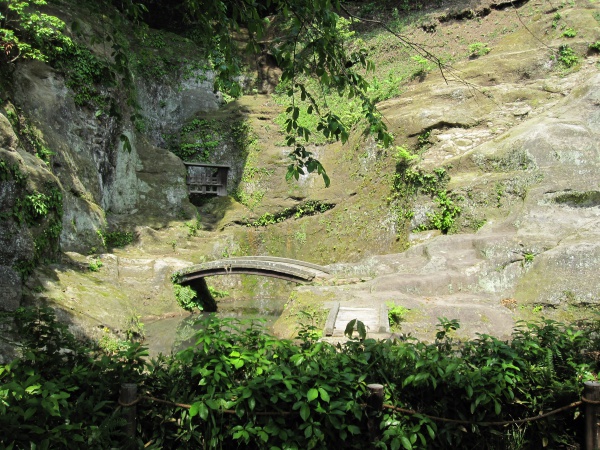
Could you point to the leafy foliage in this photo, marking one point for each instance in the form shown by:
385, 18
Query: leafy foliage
62, 393
408, 183
95, 264
187, 298
478, 49
246, 388
41, 212
85, 74
595, 46
197, 140
115, 239
308, 208
310, 45
443, 219
567, 56
323, 68
27, 33
396, 315
29, 135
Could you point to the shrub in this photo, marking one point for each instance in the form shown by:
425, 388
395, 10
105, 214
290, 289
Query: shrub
94, 265
115, 239
396, 315
187, 298
567, 56
62, 392
237, 386
478, 49
443, 219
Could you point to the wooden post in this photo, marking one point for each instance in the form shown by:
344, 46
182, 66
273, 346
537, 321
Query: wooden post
591, 391
374, 408
129, 395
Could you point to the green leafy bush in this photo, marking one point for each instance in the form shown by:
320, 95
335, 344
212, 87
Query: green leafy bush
443, 219
41, 212
567, 56
115, 239
404, 157
187, 298
216, 293
27, 33
94, 265
237, 386
309, 208
396, 315
197, 140
62, 392
478, 49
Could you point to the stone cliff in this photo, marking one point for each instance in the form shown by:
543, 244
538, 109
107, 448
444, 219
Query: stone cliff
508, 142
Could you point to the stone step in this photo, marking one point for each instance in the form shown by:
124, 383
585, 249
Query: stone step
375, 319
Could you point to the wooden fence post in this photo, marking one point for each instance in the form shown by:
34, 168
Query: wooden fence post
374, 408
591, 391
129, 395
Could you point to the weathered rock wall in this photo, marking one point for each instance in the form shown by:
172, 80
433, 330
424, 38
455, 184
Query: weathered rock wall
24, 239
111, 175
520, 145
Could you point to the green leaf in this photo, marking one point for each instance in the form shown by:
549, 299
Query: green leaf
308, 431
324, 395
497, 407
126, 143
199, 408
353, 429
430, 431
312, 394
33, 388
362, 331
305, 411
406, 443
349, 331
469, 391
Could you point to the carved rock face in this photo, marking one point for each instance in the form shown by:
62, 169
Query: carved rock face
10, 289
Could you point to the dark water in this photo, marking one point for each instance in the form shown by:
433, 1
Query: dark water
174, 333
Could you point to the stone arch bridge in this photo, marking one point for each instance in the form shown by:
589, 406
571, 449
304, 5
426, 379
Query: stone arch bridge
269, 266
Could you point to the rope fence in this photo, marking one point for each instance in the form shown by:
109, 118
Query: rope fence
590, 398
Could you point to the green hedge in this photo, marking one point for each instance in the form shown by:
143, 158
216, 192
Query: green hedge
247, 389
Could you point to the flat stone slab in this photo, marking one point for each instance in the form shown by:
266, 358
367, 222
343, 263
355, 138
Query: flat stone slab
375, 319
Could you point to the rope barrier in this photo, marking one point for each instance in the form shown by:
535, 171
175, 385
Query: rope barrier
385, 406
591, 402
498, 423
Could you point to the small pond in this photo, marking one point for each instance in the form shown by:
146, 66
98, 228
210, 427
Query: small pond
173, 334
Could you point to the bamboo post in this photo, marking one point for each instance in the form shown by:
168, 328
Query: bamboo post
129, 395
591, 391
374, 408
